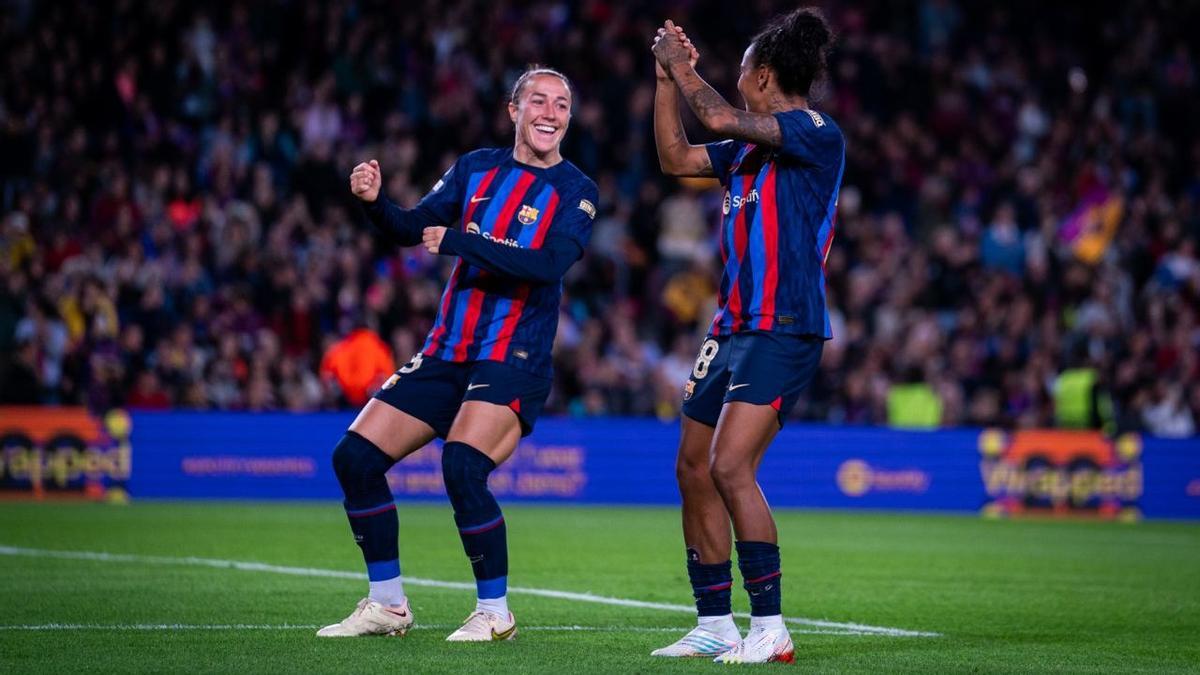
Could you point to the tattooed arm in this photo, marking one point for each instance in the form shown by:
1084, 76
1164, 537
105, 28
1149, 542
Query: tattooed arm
714, 112
676, 156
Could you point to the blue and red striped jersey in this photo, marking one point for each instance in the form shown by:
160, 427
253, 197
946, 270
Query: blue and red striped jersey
777, 226
485, 314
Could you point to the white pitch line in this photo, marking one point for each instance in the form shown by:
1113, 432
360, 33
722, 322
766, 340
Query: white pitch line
852, 628
650, 629
38, 627
153, 626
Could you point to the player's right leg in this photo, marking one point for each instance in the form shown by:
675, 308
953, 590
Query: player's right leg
379, 437
705, 519
403, 417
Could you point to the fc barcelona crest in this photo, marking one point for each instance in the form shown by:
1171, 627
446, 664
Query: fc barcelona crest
527, 214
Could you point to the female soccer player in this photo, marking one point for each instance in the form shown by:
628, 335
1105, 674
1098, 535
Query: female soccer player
516, 218
781, 170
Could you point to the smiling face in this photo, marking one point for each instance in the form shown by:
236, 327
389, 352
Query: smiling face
541, 115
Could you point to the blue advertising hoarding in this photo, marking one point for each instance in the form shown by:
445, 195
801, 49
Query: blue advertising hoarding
631, 461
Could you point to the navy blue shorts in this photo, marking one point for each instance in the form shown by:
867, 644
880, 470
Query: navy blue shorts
759, 367
432, 390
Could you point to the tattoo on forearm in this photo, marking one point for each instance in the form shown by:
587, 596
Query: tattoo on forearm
678, 137
711, 108
758, 128
703, 99
676, 154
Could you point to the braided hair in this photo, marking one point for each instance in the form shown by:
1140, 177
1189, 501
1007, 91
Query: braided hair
795, 46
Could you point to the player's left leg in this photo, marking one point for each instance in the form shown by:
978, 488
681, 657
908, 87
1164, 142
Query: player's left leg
741, 439
739, 443
769, 372
483, 436
500, 407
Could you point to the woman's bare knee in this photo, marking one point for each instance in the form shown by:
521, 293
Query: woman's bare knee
692, 471
490, 428
732, 477
692, 461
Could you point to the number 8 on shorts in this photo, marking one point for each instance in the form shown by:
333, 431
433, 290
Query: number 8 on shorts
708, 352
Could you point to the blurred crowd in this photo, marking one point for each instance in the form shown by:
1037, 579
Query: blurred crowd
1021, 197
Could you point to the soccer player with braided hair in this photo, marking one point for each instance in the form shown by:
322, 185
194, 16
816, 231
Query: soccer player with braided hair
515, 219
781, 168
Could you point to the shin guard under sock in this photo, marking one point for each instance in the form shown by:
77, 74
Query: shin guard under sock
711, 585
759, 564
360, 467
478, 517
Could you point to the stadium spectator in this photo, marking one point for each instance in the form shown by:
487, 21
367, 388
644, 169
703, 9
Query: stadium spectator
1010, 193
357, 364
914, 404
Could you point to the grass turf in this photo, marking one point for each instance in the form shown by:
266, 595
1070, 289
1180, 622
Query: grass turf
1005, 596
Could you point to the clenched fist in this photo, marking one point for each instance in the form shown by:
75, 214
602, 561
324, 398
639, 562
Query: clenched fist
431, 238
365, 181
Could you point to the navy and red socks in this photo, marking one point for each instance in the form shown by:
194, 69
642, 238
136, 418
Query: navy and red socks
758, 562
480, 522
712, 585
360, 467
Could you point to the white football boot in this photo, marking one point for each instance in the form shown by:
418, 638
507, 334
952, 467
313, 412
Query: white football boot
761, 645
485, 627
371, 618
698, 642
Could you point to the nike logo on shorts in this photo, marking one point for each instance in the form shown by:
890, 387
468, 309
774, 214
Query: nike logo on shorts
473, 387
738, 386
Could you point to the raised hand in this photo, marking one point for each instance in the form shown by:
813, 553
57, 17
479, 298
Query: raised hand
694, 56
365, 181
658, 68
672, 46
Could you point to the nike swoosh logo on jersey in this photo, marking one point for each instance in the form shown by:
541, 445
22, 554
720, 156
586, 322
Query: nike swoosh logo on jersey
473, 387
738, 386
476, 200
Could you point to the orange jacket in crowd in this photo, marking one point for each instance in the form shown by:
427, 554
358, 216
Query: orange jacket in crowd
359, 363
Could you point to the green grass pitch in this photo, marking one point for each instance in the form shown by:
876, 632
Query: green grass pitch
1003, 596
